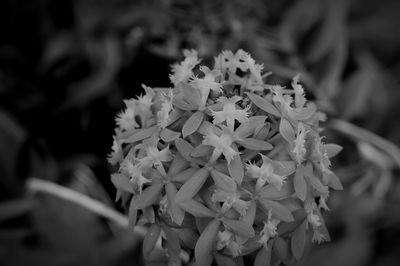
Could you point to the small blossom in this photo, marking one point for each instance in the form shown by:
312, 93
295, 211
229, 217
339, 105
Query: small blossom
265, 173
229, 112
135, 173
226, 61
319, 237
269, 230
246, 62
312, 218
226, 239
322, 202
230, 199
299, 95
116, 154
126, 119
299, 149
183, 71
222, 145
163, 206
322, 155
206, 84
283, 99
154, 157
163, 116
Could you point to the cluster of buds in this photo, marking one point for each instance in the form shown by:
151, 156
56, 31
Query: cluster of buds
223, 165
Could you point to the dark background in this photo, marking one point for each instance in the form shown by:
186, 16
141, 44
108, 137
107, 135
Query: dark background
66, 66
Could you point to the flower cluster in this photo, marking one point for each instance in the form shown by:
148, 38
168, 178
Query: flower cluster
224, 164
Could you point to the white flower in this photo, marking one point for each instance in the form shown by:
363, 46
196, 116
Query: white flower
163, 116
135, 173
269, 230
126, 119
299, 149
230, 199
222, 145
116, 154
246, 62
153, 157
205, 84
226, 239
265, 173
312, 217
299, 95
183, 71
229, 112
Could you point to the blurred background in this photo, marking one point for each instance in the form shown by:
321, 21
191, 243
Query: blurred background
66, 66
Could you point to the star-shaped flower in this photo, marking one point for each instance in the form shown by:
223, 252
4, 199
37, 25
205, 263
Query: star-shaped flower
135, 173
163, 116
184, 71
270, 171
206, 83
299, 149
229, 112
226, 239
230, 199
269, 230
222, 144
126, 119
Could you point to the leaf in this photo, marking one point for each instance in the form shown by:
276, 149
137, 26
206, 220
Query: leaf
150, 239
206, 126
172, 239
280, 211
176, 212
184, 148
192, 186
132, 216
188, 236
196, 208
332, 149
223, 260
288, 228
263, 104
122, 183
263, 257
239, 227
183, 176
235, 168
192, 124
142, 134
305, 113
201, 150
270, 192
300, 185
191, 94
223, 181
282, 249
205, 244
247, 128
169, 135
178, 165
256, 144
148, 196
286, 130
298, 240
333, 181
